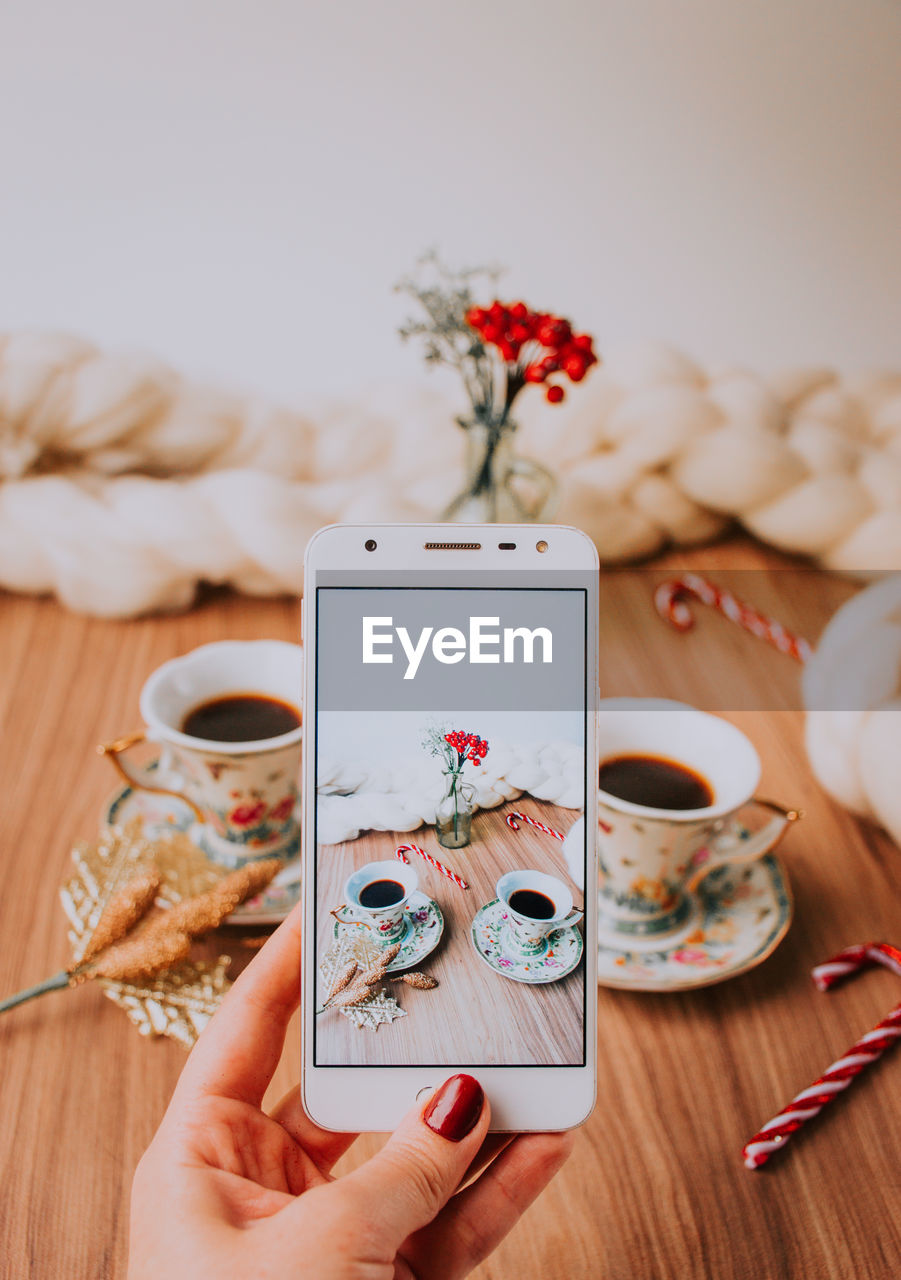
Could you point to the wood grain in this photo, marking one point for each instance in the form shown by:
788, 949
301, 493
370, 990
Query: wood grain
475, 1016
656, 1187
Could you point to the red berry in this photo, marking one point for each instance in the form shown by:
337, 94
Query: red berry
508, 350
550, 364
519, 333
554, 332
582, 342
493, 333
555, 394
547, 334
519, 311
535, 373
575, 367
497, 312
476, 316
476, 762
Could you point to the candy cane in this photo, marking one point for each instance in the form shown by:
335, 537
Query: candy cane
400, 852
853, 959
514, 819
669, 598
835, 1079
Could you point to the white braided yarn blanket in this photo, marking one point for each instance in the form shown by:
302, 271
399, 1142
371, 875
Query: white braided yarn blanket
122, 485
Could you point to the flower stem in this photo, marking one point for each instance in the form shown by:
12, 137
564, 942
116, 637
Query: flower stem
56, 983
483, 480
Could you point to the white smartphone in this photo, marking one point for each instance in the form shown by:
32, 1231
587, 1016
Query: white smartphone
449, 748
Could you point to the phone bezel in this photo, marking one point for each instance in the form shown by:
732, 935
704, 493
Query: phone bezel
522, 1098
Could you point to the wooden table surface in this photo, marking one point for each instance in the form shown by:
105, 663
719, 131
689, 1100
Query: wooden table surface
474, 1016
656, 1187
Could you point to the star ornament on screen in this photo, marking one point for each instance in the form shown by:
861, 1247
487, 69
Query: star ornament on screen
483, 642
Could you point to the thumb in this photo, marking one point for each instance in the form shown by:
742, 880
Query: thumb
424, 1160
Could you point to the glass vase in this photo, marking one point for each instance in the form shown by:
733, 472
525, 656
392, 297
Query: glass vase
501, 488
453, 817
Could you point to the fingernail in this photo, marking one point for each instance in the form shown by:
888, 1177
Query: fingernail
455, 1109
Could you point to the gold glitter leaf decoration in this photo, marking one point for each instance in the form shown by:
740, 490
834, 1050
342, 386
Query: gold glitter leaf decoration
123, 910
177, 1003
144, 965
373, 1012
350, 947
152, 952
102, 869
368, 1011
184, 867
206, 911
420, 981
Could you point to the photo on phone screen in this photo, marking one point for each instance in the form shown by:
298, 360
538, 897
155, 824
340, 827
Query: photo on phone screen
452, 719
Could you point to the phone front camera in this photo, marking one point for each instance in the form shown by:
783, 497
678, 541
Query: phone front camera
541, 546
370, 544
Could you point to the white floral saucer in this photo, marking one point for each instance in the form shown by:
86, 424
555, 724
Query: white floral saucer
423, 927
163, 814
560, 957
738, 917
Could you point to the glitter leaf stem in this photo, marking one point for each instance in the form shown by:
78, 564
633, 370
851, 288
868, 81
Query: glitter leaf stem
56, 983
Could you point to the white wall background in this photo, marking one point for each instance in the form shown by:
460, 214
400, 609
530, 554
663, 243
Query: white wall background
236, 184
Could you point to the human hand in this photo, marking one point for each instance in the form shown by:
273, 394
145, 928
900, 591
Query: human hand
226, 1190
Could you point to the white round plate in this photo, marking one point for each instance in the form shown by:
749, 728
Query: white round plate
562, 954
739, 916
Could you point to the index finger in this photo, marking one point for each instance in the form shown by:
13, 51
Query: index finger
238, 1052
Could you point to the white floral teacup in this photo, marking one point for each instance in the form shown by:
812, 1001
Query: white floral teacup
535, 906
650, 858
243, 794
377, 897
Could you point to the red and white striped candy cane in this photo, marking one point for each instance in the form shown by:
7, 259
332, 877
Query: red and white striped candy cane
401, 852
853, 959
835, 1079
514, 819
669, 598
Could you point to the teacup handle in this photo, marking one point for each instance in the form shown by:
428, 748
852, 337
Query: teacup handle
113, 752
568, 921
723, 849
353, 919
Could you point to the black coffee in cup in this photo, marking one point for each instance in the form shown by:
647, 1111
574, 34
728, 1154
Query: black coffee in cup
381, 893
655, 782
241, 717
532, 904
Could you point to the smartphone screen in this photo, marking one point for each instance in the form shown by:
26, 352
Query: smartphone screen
452, 714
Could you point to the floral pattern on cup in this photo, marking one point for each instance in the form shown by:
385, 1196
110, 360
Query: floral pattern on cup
250, 801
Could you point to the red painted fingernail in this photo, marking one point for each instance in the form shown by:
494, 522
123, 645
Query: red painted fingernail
455, 1109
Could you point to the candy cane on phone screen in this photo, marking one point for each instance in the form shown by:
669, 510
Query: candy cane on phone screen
514, 819
401, 853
